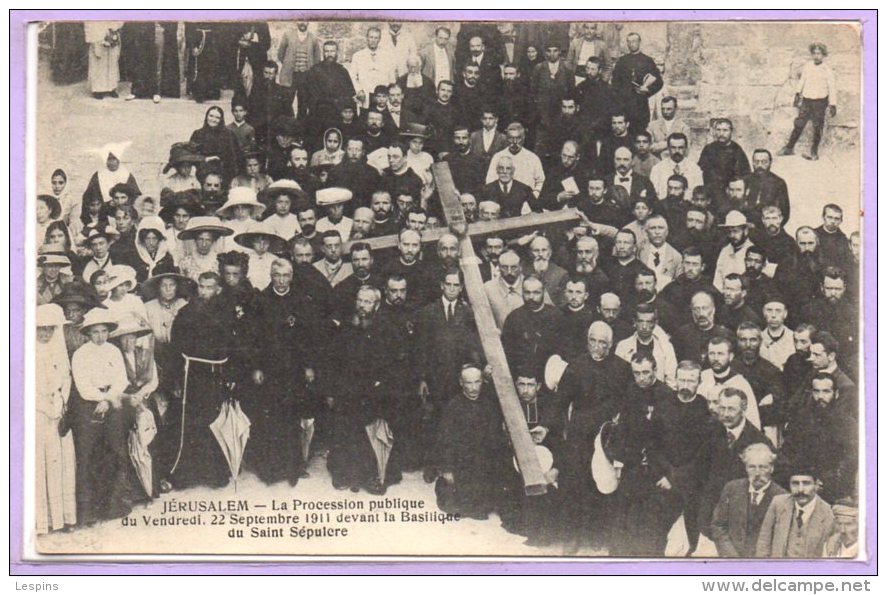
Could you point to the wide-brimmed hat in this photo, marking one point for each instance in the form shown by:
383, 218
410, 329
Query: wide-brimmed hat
118, 274
546, 459
107, 232
554, 371
186, 199
734, 219
277, 244
241, 196
150, 287
98, 316
198, 225
55, 207
50, 315
78, 293
288, 187
182, 153
131, 324
333, 196
413, 130
52, 254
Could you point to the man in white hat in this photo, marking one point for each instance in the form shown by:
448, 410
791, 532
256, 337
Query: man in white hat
334, 200
206, 233
732, 256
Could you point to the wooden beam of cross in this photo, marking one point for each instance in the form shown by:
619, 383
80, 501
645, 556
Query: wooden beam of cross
512, 411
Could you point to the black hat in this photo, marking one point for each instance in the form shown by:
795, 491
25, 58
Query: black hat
182, 153
187, 199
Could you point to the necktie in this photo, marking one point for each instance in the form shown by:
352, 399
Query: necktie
730, 439
394, 40
677, 170
754, 499
449, 311
624, 180
656, 264
800, 518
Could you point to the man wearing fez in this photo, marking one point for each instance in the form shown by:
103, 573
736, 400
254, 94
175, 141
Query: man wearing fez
740, 512
471, 451
594, 385
797, 524
536, 517
282, 369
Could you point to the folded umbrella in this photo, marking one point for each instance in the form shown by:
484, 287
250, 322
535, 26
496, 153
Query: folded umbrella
231, 429
140, 437
306, 437
381, 439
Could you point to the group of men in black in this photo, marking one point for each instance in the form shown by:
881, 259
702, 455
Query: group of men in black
672, 325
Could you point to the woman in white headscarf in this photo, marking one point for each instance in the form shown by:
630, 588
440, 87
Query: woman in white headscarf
54, 458
110, 173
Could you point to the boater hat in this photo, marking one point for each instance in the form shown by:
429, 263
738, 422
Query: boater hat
52, 254
108, 232
241, 196
333, 196
734, 219
98, 316
198, 225
289, 187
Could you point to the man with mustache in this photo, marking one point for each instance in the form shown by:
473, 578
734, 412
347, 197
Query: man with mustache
649, 339
505, 292
370, 67
355, 174
529, 335
559, 192
736, 310
527, 166
553, 277
514, 196
327, 83
586, 252
770, 236
364, 273
514, 100
408, 263
692, 280
732, 256
467, 166
737, 518
298, 52
675, 164
723, 159
760, 288
833, 242
834, 311
766, 189
691, 340
799, 275
441, 115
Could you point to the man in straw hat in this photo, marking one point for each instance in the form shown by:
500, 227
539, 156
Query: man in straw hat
50, 282
732, 256
99, 422
206, 233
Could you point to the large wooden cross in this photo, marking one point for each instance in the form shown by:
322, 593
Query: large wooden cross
522, 443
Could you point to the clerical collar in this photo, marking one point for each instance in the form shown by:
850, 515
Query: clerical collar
274, 289
723, 376
572, 309
777, 337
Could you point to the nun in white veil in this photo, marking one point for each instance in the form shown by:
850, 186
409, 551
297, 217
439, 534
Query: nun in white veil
55, 462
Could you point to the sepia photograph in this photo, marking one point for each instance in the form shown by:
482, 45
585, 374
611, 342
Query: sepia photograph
568, 289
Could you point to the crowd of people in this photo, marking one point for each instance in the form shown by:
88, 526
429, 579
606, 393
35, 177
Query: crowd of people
687, 369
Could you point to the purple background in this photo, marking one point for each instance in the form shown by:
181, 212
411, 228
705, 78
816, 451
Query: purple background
17, 41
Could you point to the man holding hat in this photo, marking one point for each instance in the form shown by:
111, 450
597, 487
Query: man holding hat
334, 199
797, 524
732, 256
206, 233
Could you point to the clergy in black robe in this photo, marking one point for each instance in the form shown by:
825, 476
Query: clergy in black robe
772, 238
245, 42
635, 78
722, 160
282, 369
468, 168
327, 84
361, 393
529, 333
267, 101
470, 452
68, 60
577, 316
202, 341
766, 188
593, 384
203, 42
154, 67
596, 100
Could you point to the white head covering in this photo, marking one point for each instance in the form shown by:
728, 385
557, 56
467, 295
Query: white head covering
107, 178
52, 365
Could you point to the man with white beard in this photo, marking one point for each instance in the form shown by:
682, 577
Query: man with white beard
553, 276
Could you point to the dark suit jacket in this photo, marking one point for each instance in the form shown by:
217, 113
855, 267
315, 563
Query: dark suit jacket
641, 187
499, 143
722, 464
445, 346
767, 189
778, 523
736, 523
512, 202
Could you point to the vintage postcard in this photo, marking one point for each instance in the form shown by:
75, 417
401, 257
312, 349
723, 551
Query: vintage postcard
563, 288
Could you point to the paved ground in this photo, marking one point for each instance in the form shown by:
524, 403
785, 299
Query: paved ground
70, 123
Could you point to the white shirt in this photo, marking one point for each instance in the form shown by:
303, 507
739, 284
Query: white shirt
441, 65
527, 169
238, 227
488, 137
286, 226
406, 47
710, 387
817, 82
160, 317
667, 168
758, 495
777, 350
343, 227
97, 367
130, 304
730, 260
370, 69
663, 353
624, 181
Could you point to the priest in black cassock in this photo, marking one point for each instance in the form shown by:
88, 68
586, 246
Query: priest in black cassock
282, 369
471, 452
722, 160
635, 78
530, 332
327, 83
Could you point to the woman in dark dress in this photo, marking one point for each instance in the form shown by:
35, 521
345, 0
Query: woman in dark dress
217, 144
